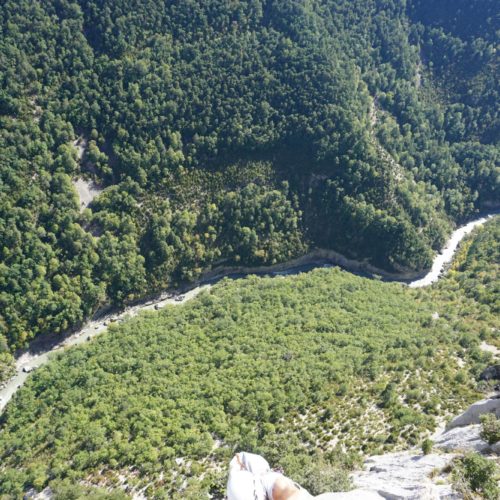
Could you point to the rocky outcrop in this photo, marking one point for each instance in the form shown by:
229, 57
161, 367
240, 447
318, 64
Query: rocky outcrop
461, 439
404, 475
473, 414
408, 475
491, 373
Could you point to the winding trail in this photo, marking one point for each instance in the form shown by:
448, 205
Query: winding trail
42, 348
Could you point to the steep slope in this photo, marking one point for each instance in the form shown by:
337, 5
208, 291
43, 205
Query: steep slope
235, 131
308, 370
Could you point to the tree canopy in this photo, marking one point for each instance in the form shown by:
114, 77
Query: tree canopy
297, 368
235, 131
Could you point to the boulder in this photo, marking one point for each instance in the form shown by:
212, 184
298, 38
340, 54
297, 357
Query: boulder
490, 373
495, 448
473, 414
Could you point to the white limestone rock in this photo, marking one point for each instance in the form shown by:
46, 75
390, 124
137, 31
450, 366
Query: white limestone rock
357, 494
461, 439
403, 475
45, 494
473, 414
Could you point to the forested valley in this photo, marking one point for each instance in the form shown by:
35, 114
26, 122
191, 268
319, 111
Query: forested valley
234, 132
313, 371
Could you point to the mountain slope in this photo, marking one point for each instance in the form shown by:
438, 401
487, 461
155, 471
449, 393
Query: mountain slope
307, 370
241, 132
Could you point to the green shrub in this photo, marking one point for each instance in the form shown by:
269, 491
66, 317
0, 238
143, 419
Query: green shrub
323, 477
490, 428
476, 474
389, 396
65, 490
427, 446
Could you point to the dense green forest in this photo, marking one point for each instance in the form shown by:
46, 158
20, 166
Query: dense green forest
297, 368
232, 131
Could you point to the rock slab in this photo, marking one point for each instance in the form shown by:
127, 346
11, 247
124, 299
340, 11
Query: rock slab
357, 494
473, 414
462, 439
403, 475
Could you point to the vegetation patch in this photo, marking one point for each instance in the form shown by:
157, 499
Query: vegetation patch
237, 131
312, 369
475, 475
490, 428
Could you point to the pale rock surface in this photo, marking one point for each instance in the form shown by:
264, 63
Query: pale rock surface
473, 414
461, 439
407, 475
45, 494
87, 191
404, 475
484, 346
358, 494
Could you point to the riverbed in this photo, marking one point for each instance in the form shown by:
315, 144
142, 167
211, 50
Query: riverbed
43, 348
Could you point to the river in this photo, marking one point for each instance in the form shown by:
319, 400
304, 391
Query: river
42, 348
